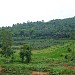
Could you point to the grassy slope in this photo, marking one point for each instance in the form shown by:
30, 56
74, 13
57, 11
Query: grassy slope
43, 60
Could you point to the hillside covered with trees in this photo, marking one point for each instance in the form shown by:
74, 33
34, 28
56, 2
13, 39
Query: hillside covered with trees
36, 33
45, 47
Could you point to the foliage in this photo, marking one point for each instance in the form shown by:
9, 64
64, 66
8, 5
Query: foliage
48, 59
6, 43
25, 51
22, 54
52, 38
40, 30
72, 34
69, 50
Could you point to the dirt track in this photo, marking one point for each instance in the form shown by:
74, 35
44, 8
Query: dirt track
39, 73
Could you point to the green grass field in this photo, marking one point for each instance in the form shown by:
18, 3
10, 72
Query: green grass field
51, 59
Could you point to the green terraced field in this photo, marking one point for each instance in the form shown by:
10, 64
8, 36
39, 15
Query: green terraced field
51, 59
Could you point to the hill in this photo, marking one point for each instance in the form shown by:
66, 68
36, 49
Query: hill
36, 33
58, 28
50, 59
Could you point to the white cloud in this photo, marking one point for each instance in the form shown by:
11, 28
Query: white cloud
13, 11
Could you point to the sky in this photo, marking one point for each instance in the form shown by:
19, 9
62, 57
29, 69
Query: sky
19, 11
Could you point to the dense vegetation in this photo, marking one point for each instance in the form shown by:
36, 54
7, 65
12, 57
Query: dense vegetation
38, 46
51, 59
59, 28
36, 33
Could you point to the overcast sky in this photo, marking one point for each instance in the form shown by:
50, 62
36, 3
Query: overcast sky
19, 11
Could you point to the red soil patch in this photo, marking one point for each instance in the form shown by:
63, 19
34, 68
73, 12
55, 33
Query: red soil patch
39, 73
2, 70
65, 65
73, 68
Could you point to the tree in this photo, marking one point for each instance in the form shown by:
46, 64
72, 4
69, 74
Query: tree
69, 49
22, 32
6, 37
72, 34
22, 55
25, 52
28, 55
